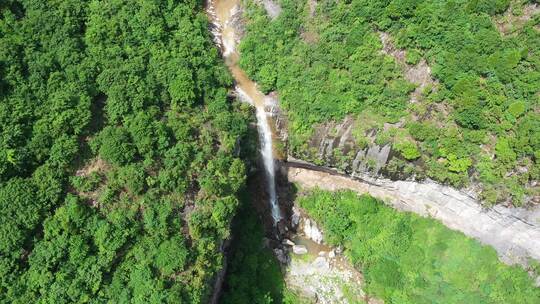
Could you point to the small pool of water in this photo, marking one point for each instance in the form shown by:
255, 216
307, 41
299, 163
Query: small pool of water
312, 247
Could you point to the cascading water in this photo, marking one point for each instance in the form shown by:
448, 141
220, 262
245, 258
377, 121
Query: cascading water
265, 135
265, 139
223, 13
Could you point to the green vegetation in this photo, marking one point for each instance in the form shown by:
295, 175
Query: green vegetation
409, 259
478, 122
253, 274
119, 159
118, 171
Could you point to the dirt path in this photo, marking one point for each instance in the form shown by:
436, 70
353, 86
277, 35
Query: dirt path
513, 232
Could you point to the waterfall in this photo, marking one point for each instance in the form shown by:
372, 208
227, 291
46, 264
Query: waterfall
223, 14
267, 153
265, 135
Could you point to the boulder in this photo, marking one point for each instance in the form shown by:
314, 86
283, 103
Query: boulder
312, 232
287, 242
295, 217
332, 254
281, 256
299, 249
282, 227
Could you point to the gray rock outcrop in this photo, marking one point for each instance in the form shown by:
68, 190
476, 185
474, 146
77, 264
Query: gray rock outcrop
311, 231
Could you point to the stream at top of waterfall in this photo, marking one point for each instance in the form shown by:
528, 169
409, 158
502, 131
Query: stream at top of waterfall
223, 14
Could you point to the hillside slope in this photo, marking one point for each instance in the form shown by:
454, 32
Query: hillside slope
118, 170
408, 89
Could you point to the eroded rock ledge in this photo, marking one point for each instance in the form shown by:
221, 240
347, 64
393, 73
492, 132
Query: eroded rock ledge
513, 232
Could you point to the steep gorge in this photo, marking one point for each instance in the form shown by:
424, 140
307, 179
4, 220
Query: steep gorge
513, 232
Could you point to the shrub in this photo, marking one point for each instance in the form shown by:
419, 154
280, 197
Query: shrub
408, 150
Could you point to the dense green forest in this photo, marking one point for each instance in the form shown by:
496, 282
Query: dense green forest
406, 258
477, 122
119, 162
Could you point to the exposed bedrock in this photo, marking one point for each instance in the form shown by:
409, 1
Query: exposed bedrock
333, 145
513, 232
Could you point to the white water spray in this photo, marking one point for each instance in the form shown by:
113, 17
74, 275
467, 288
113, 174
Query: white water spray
267, 153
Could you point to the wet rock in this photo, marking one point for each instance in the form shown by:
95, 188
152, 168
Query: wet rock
295, 217
287, 242
281, 256
299, 249
282, 227
312, 232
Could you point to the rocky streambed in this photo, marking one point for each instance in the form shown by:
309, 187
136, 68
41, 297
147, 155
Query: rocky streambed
316, 271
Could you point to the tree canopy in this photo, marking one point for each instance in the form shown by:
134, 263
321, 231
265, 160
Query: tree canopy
115, 123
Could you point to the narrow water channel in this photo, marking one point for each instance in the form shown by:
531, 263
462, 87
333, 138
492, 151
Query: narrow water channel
223, 14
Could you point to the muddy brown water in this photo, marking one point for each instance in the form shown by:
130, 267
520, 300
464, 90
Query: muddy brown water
224, 15
224, 11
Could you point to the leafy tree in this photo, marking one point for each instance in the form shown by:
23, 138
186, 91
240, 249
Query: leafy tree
516, 109
171, 256
504, 152
115, 145
458, 164
182, 87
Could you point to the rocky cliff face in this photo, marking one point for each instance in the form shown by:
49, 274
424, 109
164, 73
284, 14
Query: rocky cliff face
333, 145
